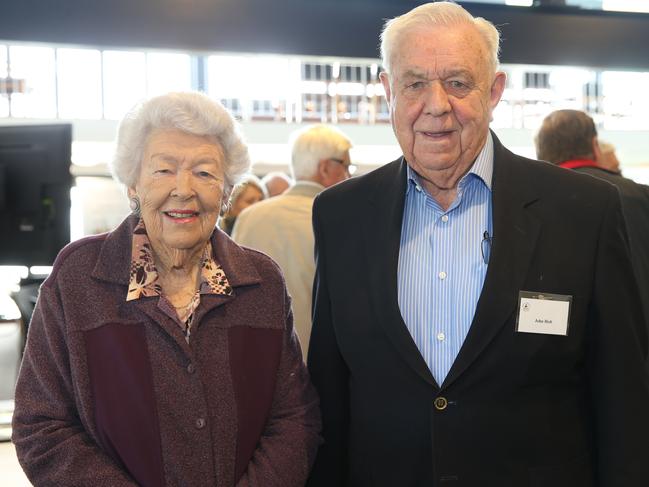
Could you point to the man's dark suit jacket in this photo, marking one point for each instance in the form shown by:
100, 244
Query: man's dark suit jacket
635, 207
522, 409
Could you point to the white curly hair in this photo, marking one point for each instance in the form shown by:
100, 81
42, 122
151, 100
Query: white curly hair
191, 112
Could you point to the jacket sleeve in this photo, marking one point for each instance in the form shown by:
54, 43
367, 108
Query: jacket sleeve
617, 348
330, 376
287, 448
52, 445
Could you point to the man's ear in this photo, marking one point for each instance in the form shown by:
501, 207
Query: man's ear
385, 81
323, 172
497, 88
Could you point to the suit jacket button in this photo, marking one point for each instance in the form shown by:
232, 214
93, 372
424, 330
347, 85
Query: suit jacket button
440, 403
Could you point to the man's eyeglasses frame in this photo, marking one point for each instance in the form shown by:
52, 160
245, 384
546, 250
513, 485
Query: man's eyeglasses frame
349, 167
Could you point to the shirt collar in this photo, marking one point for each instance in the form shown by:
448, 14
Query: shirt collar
483, 167
304, 188
143, 277
304, 182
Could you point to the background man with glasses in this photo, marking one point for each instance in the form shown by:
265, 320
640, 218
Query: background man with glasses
476, 322
281, 226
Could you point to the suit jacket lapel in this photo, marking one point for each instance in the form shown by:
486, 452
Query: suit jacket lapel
516, 231
382, 230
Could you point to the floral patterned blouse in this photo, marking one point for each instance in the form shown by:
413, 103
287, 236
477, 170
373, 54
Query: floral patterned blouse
143, 280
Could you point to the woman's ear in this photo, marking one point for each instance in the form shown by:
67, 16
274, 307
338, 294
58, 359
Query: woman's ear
134, 201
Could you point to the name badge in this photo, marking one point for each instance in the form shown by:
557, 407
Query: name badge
543, 313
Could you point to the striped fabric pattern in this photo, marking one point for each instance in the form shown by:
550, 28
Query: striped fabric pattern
441, 265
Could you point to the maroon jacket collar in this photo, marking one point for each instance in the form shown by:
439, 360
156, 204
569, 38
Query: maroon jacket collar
113, 264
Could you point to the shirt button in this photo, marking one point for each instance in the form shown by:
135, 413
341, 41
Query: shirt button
440, 403
190, 368
441, 337
444, 218
442, 275
200, 423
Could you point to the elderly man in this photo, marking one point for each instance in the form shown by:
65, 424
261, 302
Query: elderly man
276, 183
475, 322
568, 138
281, 226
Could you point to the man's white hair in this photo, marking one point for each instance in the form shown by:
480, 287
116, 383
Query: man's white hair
312, 144
190, 112
436, 14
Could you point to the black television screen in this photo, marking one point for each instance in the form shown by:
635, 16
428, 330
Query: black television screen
35, 183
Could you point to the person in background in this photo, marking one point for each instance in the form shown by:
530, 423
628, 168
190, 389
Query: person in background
276, 183
568, 138
162, 353
281, 228
248, 192
476, 322
607, 157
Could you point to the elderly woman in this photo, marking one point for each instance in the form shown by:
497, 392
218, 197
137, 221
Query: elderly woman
161, 353
248, 192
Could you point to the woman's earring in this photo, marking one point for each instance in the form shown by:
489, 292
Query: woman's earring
135, 205
225, 206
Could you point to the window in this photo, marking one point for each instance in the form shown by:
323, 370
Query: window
167, 72
3, 61
626, 5
4, 100
79, 83
36, 66
90, 214
571, 86
124, 83
253, 80
625, 101
537, 80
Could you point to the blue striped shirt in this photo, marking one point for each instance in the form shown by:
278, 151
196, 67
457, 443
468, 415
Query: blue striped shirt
441, 264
